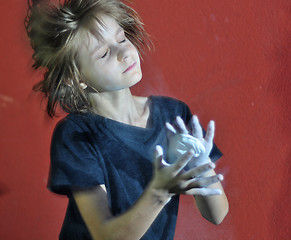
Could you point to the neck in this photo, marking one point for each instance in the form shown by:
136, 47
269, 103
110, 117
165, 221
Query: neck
120, 106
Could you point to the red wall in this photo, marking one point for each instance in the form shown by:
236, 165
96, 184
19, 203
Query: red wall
229, 60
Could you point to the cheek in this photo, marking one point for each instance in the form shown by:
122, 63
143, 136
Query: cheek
106, 76
133, 48
85, 68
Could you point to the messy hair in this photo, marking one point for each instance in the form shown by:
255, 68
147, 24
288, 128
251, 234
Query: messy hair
55, 28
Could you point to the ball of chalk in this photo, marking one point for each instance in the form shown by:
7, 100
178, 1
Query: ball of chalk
186, 142
181, 143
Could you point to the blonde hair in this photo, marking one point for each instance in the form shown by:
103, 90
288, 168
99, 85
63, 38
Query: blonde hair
54, 29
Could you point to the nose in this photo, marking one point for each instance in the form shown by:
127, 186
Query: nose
122, 54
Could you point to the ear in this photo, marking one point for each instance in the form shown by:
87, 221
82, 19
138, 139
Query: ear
83, 86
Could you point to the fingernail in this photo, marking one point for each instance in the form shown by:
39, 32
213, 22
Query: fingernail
178, 119
220, 177
159, 149
211, 123
170, 127
219, 192
211, 165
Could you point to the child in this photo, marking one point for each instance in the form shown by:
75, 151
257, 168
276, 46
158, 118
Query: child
107, 153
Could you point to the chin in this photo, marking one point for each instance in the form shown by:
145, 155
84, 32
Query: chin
135, 79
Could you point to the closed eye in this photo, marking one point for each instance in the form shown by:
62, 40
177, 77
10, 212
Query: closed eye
105, 54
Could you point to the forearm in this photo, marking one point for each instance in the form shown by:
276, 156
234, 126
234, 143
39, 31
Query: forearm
134, 223
213, 208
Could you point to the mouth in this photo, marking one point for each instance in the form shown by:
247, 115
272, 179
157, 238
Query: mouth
130, 67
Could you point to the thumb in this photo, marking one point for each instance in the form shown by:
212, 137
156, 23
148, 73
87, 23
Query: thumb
158, 158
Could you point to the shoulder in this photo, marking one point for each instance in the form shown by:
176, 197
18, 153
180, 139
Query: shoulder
75, 121
72, 124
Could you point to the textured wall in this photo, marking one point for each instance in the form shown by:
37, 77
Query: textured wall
229, 60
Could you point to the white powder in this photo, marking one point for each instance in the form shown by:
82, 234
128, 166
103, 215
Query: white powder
179, 144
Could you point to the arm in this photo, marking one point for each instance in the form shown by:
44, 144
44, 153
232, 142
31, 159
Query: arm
212, 208
94, 209
167, 181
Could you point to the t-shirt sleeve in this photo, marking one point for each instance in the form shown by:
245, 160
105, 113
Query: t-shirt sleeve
215, 153
74, 160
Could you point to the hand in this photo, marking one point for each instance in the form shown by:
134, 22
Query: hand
182, 140
171, 179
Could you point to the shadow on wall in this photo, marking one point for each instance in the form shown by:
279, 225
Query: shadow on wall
280, 219
280, 88
3, 189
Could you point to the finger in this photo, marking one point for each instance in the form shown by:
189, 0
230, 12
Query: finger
182, 161
196, 128
198, 171
181, 125
205, 181
203, 191
171, 128
210, 132
158, 158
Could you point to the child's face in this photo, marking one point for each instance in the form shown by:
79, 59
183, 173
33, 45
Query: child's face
110, 63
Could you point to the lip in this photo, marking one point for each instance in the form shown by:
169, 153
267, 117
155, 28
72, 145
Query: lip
130, 67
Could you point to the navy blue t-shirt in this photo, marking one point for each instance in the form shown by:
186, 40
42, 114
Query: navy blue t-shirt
88, 150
